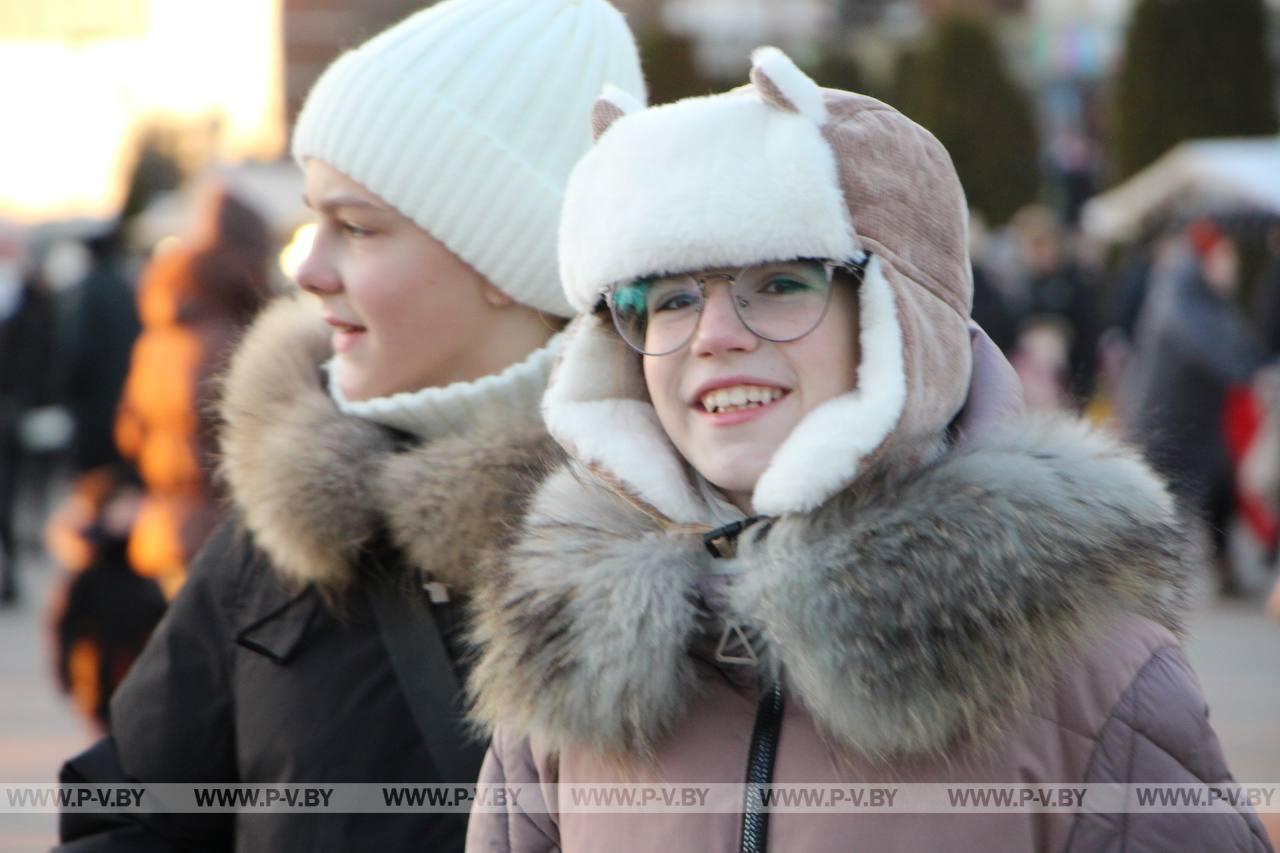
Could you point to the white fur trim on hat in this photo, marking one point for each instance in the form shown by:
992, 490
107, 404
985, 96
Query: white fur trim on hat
772, 67
595, 406
826, 449
622, 99
705, 182
467, 117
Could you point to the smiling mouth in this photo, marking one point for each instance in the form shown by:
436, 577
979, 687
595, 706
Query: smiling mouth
349, 328
739, 398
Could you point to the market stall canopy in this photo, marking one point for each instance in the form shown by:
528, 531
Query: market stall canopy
1199, 176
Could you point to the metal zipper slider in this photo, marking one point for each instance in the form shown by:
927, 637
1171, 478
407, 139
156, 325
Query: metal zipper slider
733, 642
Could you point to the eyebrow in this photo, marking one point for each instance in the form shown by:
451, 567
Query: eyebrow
337, 202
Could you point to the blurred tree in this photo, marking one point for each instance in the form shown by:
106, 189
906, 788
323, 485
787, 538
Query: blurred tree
670, 67
834, 68
907, 88
1192, 68
959, 88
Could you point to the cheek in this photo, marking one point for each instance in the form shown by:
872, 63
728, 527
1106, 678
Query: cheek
826, 361
662, 378
406, 301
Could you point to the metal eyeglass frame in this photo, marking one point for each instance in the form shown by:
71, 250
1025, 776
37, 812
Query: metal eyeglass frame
856, 266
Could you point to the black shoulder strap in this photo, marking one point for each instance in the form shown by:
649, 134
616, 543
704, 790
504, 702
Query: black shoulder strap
421, 662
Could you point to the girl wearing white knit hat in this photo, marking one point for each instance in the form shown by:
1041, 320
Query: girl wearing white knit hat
376, 450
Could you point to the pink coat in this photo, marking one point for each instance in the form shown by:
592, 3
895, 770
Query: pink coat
1008, 614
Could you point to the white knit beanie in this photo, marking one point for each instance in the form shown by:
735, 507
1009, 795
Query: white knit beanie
467, 117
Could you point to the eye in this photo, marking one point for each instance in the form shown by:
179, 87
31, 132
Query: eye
351, 229
676, 301
780, 285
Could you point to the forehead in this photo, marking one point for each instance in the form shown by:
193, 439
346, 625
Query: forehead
326, 186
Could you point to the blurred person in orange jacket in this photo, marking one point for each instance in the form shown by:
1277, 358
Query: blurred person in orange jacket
194, 301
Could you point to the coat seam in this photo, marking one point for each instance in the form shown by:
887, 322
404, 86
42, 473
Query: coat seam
496, 752
1158, 655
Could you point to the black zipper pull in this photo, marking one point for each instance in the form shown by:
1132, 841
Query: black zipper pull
764, 749
723, 541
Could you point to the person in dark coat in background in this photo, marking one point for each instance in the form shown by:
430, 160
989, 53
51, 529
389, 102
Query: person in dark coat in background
1192, 344
1057, 287
26, 362
106, 612
195, 301
382, 443
991, 306
991, 311
1267, 296
106, 325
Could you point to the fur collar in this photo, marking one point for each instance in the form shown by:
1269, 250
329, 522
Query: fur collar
907, 616
314, 485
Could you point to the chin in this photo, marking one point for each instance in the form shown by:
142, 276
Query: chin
731, 475
351, 383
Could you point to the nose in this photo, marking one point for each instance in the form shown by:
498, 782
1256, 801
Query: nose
317, 274
719, 327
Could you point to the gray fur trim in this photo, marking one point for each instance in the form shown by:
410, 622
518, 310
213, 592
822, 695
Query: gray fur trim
914, 615
909, 616
585, 629
314, 485
453, 505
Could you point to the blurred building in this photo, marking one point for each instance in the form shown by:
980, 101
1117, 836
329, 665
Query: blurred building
727, 30
84, 81
983, 7
317, 31
58, 19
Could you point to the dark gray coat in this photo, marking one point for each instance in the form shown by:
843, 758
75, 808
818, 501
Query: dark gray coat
269, 665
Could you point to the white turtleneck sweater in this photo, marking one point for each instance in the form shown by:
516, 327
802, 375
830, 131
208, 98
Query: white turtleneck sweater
512, 396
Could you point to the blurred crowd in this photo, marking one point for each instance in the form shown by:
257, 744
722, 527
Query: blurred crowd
1172, 343
109, 364
108, 374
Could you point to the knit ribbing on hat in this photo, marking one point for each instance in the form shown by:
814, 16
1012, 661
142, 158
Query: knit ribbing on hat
467, 117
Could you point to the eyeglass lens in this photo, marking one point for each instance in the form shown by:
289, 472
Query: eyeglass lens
778, 302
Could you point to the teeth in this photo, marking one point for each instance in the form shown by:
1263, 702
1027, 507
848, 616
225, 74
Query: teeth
739, 397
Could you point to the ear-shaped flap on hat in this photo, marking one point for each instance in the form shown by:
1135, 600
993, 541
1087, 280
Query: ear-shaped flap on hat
783, 85
612, 105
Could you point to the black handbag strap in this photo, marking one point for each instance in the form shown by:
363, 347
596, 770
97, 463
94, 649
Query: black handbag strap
422, 664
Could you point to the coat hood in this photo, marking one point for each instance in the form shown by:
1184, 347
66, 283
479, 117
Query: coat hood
314, 486
906, 616
776, 170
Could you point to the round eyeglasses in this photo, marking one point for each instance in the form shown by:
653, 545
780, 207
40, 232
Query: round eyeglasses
777, 302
